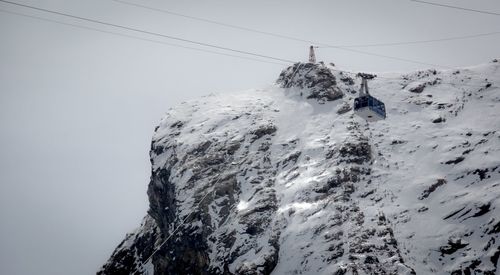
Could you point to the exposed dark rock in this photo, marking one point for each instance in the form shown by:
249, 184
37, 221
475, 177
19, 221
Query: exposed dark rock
344, 108
371, 260
438, 120
455, 161
495, 229
156, 149
432, 188
161, 193
367, 193
453, 213
316, 80
201, 148
292, 158
467, 152
422, 209
483, 209
177, 124
418, 89
233, 147
396, 141
453, 246
263, 130
481, 173
356, 152
347, 80
494, 258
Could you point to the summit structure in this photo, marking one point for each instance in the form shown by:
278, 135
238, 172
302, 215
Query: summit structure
312, 56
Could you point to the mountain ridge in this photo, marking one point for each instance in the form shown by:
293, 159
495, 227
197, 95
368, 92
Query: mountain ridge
287, 180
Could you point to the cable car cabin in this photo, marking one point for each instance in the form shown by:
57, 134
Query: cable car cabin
365, 105
369, 108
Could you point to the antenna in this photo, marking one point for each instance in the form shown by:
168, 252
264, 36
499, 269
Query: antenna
312, 57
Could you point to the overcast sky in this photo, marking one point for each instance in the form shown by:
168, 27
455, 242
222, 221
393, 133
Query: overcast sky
78, 107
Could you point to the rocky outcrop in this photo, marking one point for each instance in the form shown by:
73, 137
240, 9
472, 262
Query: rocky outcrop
133, 251
314, 80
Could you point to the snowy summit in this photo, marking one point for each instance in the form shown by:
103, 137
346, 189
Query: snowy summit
288, 180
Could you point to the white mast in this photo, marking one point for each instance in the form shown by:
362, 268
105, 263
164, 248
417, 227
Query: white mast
312, 57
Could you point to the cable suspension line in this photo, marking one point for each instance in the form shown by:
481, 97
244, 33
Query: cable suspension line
139, 38
323, 45
145, 32
455, 7
301, 39
215, 22
422, 41
196, 42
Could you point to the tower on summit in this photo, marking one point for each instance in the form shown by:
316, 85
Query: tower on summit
312, 57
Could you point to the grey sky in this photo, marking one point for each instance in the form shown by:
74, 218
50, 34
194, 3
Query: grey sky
78, 107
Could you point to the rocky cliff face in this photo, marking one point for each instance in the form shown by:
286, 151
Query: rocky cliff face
286, 180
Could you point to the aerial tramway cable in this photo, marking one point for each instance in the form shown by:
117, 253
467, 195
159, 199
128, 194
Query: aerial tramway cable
456, 7
145, 32
323, 45
298, 39
141, 38
192, 41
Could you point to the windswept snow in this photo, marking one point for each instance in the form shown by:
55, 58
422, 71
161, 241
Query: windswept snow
289, 181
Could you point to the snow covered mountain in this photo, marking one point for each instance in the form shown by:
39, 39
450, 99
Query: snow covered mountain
287, 180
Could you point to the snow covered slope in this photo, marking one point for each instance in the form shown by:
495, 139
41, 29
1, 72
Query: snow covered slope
287, 180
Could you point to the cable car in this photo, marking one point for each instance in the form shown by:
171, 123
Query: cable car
367, 106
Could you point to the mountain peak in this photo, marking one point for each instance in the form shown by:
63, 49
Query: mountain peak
242, 184
311, 80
